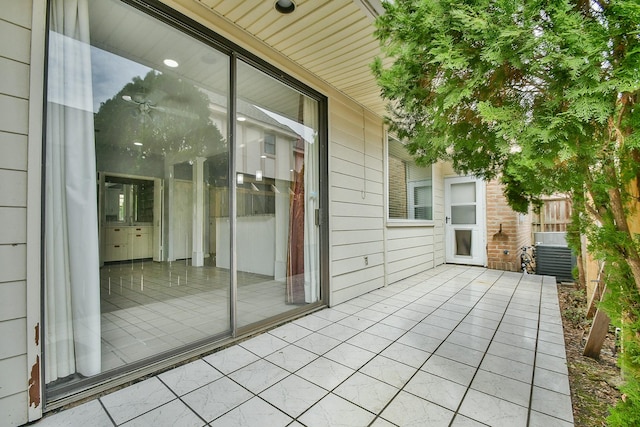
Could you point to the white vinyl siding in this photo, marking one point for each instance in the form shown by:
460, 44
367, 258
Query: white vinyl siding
356, 201
15, 22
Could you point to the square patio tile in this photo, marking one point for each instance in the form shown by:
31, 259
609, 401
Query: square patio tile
388, 370
350, 355
325, 373
216, 398
370, 342
436, 389
318, 343
449, 369
189, 377
136, 399
406, 354
173, 414
91, 413
507, 367
366, 392
505, 388
551, 403
293, 395
231, 359
492, 410
408, 410
255, 412
259, 375
460, 354
290, 332
420, 341
264, 344
291, 357
334, 411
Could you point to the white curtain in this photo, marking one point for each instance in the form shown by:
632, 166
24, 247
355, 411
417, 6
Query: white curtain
72, 279
311, 250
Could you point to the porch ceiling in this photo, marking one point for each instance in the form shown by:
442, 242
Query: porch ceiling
332, 39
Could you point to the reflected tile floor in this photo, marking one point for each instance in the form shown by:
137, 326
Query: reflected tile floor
453, 346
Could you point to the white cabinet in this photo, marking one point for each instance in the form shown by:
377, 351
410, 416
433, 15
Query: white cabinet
127, 242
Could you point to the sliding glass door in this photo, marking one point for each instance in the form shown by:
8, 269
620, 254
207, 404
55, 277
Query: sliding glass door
175, 213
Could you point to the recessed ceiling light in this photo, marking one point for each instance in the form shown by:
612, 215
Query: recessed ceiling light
170, 63
285, 6
241, 118
138, 143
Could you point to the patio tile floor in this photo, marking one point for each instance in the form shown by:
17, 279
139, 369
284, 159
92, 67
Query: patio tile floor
453, 346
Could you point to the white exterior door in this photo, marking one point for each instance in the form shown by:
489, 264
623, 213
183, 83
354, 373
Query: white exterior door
465, 221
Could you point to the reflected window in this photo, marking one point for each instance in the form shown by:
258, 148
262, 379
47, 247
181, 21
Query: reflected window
410, 186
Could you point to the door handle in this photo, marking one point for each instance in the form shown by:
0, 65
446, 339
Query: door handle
446, 220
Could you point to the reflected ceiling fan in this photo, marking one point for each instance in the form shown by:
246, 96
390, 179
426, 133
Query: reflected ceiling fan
145, 106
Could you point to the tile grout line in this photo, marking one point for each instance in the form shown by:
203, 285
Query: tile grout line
439, 345
535, 356
486, 351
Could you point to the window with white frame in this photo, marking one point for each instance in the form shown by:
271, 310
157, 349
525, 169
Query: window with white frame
410, 187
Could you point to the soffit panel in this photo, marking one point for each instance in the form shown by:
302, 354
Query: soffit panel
333, 39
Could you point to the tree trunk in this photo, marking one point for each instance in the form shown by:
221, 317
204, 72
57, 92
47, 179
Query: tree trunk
631, 254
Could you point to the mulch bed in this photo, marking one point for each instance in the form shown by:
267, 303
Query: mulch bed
593, 382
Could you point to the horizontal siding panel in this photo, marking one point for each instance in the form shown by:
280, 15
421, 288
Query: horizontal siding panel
356, 170
13, 189
14, 375
15, 78
18, 12
13, 263
358, 249
20, 47
396, 276
351, 237
350, 209
354, 196
352, 183
354, 264
344, 295
354, 278
410, 242
13, 336
14, 408
13, 300
355, 223
15, 112
14, 151
424, 262
13, 228
410, 253
408, 232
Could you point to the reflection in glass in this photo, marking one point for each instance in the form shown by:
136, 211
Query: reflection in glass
276, 200
134, 276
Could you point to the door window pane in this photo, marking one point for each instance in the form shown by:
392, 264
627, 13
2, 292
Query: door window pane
463, 214
463, 193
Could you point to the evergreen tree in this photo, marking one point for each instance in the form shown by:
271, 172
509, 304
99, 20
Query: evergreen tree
542, 95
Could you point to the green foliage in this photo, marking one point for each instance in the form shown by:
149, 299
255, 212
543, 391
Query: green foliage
542, 95
167, 115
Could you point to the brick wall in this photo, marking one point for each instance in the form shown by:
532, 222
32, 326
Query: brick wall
507, 230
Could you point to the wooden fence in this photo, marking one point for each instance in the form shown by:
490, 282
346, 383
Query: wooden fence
554, 215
